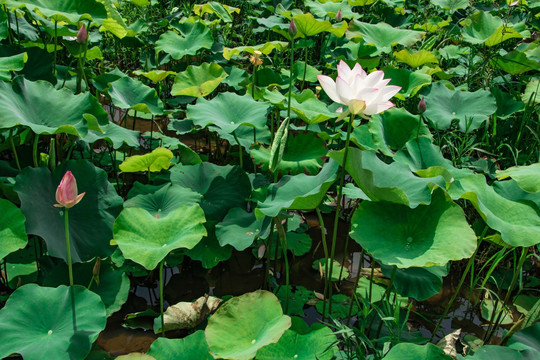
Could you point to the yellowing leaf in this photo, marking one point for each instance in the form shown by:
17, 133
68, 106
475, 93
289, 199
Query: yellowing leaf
416, 59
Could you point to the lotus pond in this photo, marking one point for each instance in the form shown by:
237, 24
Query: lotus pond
266, 179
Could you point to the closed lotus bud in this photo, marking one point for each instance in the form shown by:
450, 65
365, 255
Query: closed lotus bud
339, 16
292, 28
66, 192
82, 35
261, 251
96, 269
422, 106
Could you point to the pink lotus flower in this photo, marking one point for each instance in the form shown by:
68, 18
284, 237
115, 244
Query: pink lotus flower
362, 93
66, 193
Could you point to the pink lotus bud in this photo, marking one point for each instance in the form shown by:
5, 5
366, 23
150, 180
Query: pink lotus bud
82, 35
261, 251
292, 28
422, 106
339, 16
66, 193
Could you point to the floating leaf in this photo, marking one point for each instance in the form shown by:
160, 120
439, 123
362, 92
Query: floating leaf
198, 81
238, 229
38, 322
410, 351
159, 159
181, 228
429, 235
244, 324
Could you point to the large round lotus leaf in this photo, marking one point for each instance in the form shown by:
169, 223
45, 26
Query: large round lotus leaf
228, 111
244, 324
147, 239
411, 82
115, 135
471, 109
209, 251
90, 221
12, 233
417, 58
238, 229
527, 177
409, 351
113, 286
330, 9
304, 154
69, 11
392, 182
495, 352
420, 283
195, 37
22, 102
515, 218
299, 192
307, 25
265, 48
128, 93
164, 200
317, 343
51, 323
198, 81
482, 27
428, 235
222, 187
383, 36
157, 160
193, 346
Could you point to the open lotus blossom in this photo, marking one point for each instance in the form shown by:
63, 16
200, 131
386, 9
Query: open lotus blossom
362, 93
66, 192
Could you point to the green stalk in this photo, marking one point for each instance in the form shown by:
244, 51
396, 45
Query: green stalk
240, 153
461, 281
35, 149
326, 258
338, 207
13, 149
290, 79
55, 44
283, 239
68, 247
161, 297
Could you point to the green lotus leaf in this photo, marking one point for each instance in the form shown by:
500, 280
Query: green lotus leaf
38, 65
159, 159
383, 36
113, 286
21, 266
361, 2
90, 221
195, 36
516, 220
247, 135
330, 9
429, 235
22, 103
209, 251
164, 200
451, 5
420, 283
222, 187
198, 81
298, 192
228, 111
388, 182
135, 356
224, 12
128, 93
11, 63
310, 73
526, 176
298, 243
410, 351
115, 135
495, 352
516, 62
181, 228
305, 153
297, 343
298, 298
52, 323
531, 92
265, 48
12, 232
526, 338
193, 346
245, 324
155, 75
506, 105
491, 309
307, 25
309, 108
482, 27
114, 21
470, 108
238, 229
367, 287
416, 59
339, 272
59, 10
411, 82
340, 307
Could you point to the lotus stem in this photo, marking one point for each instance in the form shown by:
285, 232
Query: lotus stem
240, 153
13, 149
290, 79
35, 150
283, 239
338, 208
161, 297
68, 247
326, 259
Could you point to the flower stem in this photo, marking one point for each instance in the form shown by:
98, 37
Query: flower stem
338, 208
161, 297
68, 247
13, 148
290, 79
283, 239
326, 258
